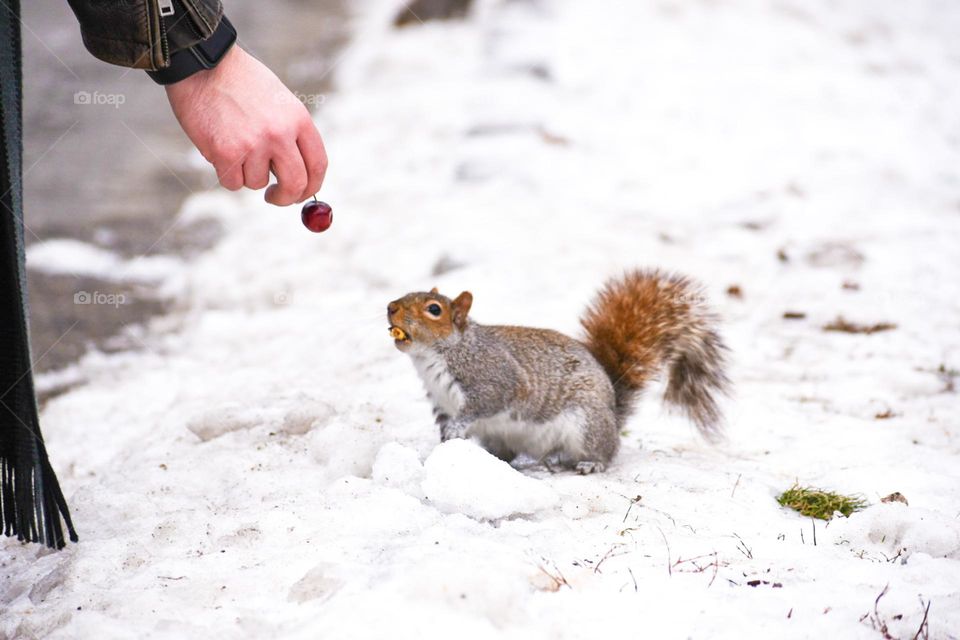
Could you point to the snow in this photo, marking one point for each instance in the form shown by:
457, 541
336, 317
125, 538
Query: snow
460, 477
63, 256
267, 464
895, 530
400, 467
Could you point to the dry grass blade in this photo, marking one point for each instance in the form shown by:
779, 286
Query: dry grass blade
845, 326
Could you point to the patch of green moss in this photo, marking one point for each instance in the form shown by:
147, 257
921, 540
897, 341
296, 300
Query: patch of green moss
816, 503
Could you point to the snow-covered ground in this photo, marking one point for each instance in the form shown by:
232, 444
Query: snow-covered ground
267, 465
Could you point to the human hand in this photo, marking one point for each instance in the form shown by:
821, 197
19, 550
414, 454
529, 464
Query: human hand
246, 123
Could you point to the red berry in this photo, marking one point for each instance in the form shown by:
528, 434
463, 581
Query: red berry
317, 216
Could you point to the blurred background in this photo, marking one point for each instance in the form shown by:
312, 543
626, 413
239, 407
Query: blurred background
113, 171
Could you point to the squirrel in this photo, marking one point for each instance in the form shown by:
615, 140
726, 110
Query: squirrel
561, 401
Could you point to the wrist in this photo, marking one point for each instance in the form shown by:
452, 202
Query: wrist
205, 77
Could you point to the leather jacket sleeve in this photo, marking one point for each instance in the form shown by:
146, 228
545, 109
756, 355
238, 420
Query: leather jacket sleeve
144, 33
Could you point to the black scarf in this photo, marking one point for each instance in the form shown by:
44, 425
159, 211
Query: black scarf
31, 502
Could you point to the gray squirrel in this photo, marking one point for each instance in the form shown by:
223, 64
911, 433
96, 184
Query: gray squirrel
560, 401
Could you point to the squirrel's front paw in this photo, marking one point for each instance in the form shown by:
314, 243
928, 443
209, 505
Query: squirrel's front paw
452, 430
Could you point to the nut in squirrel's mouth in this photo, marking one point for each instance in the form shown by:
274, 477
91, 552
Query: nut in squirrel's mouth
399, 334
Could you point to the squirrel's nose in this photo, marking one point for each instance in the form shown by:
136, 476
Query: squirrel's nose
392, 308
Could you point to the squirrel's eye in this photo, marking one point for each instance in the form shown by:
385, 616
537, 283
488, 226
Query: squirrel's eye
435, 310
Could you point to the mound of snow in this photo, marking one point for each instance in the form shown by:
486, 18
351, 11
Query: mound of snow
904, 530
463, 478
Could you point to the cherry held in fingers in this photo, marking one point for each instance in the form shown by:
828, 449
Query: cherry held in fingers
317, 216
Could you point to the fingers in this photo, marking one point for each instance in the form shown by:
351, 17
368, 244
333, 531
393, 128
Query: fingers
256, 171
291, 176
230, 172
242, 134
289, 147
227, 157
314, 157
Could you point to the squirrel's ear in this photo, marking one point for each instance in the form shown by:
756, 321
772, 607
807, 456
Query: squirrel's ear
434, 291
460, 307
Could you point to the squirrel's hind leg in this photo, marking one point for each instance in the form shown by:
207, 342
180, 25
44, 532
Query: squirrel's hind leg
560, 462
586, 467
600, 442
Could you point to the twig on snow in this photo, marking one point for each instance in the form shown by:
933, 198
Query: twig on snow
609, 554
558, 580
736, 484
698, 568
669, 562
876, 622
743, 548
924, 631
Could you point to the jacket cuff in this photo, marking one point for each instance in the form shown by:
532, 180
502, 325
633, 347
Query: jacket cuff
142, 34
205, 54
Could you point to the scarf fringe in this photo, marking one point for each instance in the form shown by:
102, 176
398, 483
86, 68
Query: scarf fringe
31, 502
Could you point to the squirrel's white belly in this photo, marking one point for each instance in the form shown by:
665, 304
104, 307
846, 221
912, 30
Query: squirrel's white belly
442, 387
564, 433
561, 434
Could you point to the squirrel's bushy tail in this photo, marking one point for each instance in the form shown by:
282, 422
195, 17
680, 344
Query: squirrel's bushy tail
648, 322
